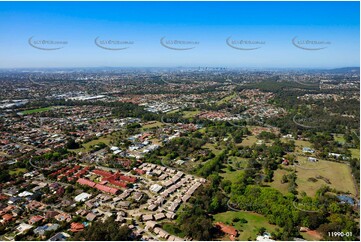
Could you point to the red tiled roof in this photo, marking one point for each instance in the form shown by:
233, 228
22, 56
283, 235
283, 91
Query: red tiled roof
102, 173
128, 178
118, 183
35, 219
140, 171
227, 229
7, 217
106, 189
86, 182
76, 227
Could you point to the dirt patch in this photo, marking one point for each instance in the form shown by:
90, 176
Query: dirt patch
314, 234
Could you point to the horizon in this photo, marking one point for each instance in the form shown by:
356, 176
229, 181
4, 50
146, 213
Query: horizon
185, 67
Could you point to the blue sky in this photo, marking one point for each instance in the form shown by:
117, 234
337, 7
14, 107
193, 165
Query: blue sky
209, 24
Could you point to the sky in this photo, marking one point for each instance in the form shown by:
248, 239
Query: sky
260, 34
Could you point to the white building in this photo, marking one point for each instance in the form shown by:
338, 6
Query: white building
82, 197
155, 188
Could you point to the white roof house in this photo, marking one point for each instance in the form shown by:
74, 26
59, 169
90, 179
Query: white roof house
155, 188
25, 194
82, 197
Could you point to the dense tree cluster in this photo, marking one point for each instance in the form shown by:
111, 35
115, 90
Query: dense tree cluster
109, 230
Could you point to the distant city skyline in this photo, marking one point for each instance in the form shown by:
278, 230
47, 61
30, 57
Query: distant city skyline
187, 34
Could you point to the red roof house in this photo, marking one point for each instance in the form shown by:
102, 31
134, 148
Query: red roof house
86, 182
107, 189
76, 227
7, 217
128, 178
231, 231
102, 173
35, 219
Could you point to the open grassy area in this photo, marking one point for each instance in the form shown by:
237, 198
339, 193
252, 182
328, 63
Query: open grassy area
249, 140
226, 99
339, 138
231, 175
300, 144
212, 147
355, 153
17, 171
246, 230
276, 183
173, 111
86, 146
190, 114
338, 174
37, 110
105, 140
152, 125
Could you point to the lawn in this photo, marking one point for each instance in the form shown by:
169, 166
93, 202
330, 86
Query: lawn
190, 114
17, 171
152, 125
301, 144
276, 183
355, 153
231, 175
246, 230
173, 111
212, 147
37, 110
86, 146
249, 141
226, 99
338, 174
339, 138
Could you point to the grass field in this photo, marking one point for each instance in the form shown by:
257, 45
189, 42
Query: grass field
249, 140
246, 230
339, 138
86, 146
17, 171
152, 125
37, 110
226, 99
212, 147
337, 173
173, 111
190, 114
202, 130
301, 144
276, 183
355, 153
231, 175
